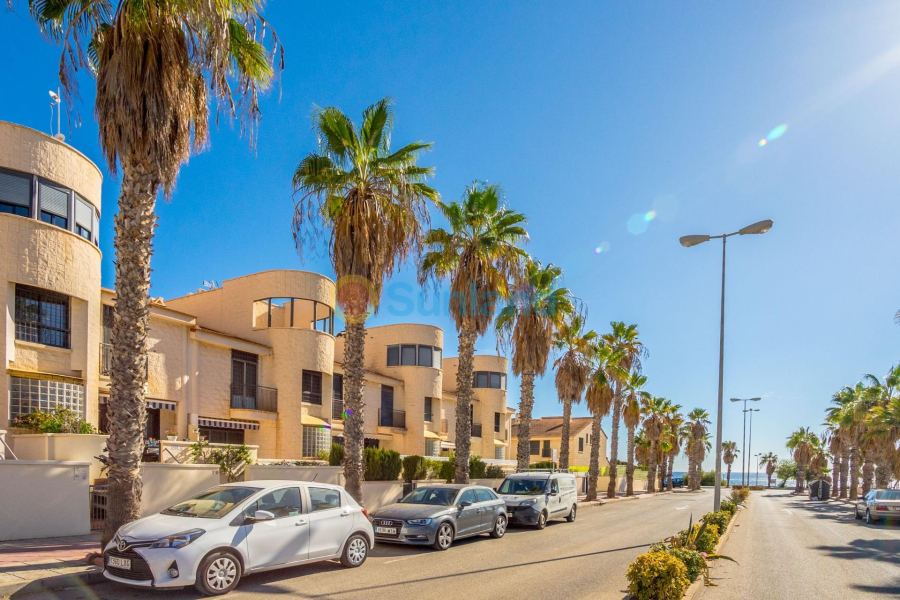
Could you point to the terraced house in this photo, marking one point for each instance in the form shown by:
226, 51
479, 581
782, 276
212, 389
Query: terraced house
255, 361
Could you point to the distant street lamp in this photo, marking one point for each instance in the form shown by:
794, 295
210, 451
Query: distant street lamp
744, 443
757, 467
750, 441
692, 240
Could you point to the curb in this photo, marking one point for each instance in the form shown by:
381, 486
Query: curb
54, 583
593, 503
698, 585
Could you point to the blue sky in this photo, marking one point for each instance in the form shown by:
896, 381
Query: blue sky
588, 115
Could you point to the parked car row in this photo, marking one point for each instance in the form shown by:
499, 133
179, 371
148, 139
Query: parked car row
214, 538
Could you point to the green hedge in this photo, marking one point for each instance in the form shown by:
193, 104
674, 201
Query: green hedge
729, 507
657, 576
494, 472
477, 468
692, 560
336, 455
381, 465
719, 519
706, 542
414, 468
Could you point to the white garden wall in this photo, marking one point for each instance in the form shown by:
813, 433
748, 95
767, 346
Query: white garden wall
332, 475
376, 494
42, 499
61, 446
166, 484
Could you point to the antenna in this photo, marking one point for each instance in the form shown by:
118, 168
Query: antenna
54, 96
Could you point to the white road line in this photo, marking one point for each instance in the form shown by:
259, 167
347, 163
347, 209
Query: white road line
681, 507
387, 562
790, 512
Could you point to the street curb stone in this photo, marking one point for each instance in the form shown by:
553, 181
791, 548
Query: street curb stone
55, 583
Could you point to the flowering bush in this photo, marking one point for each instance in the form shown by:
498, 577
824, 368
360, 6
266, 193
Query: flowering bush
729, 507
719, 519
703, 541
694, 562
657, 576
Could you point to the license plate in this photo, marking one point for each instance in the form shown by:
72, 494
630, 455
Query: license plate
119, 563
897, 508
386, 530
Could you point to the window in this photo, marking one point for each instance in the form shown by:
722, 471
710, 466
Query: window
481, 379
28, 395
323, 499
217, 435
386, 414
545, 451
483, 495
15, 194
42, 316
534, 448
554, 486
244, 379
84, 217
495, 381
436, 360
393, 357
425, 356
496, 422
281, 503
407, 355
315, 440
312, 387
468, 496
500, 452
428, 402
581, 445
432, 447
54, 203
489, 379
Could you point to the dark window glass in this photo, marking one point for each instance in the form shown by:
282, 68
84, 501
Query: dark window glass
54, 220
337, 387
407, 355
482, 495
216, 435
554, 485
495, 381
42, 316
428, 409
244, 379
312, 387
497, 422
15, 190
481, 379
13, 209
85, 233
281, 503
386, 414
393, 357
581, 444
468, 496
425, 356
534, 448
323, 499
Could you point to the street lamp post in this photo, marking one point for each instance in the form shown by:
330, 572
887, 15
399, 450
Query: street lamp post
744, 455
750, 441
692, 240
757, 467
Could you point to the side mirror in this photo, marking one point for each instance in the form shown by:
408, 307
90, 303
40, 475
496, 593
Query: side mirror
464, 504
553, 494
261, 515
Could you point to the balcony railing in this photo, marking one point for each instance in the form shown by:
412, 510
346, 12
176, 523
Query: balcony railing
476, 430
254, 397
106, 352
392, 418
337, 410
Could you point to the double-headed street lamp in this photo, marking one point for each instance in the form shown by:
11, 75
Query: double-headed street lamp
744, 454
750, 441
692, 240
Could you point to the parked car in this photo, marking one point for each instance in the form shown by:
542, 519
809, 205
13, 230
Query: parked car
677, 482
437, 515
213, 538
878, 505
533, 497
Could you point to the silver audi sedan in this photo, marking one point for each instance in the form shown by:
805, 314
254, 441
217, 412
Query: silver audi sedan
437, 514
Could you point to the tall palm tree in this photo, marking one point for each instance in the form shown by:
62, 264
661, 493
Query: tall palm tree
157, 66
623, 340
697, 421
885, 423
599, 398
373, 201
631, 415
802, 442
655, 411
842, 415
642, 448
676, 436
574, 347
771, 462
534, 313
480, 255
729, 453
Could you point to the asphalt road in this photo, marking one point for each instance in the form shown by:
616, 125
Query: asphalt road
791, 547
585, 559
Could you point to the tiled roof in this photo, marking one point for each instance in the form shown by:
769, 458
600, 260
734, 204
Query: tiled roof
551, 427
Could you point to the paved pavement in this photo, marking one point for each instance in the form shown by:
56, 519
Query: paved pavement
791, 547
25, 561
588, 558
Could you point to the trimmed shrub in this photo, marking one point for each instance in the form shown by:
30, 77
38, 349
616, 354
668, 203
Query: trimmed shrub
708, 478
371, 464
706, 542
657, 576
477, 467
494, 472
719, 519
381, 465
546, 464
693, 562
414, 468
739, 496
391, 465
446, 471
729, 507
336, 455
434, 468
62, 420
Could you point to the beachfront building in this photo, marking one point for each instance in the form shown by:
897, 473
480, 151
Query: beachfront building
546, 437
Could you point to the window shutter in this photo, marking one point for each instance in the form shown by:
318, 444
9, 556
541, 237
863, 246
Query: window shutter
54, 200
84, 213
15, 189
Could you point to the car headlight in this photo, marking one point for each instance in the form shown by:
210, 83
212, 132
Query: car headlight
419, 521
179, 540
531, 502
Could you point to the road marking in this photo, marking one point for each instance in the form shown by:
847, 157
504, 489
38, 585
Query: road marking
387, 562
681, 507
790, 512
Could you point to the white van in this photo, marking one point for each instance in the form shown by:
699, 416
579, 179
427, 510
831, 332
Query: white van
535, 496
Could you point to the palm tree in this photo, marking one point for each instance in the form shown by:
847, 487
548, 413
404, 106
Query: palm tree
575, 348
885, 422
642, 448
157, 66
677, 437
631, 415
697, 421
843, 417
535, 311
771, 462
373, 201
480, 255
623, 340
654, 411
803, 443
729, 453
599, 398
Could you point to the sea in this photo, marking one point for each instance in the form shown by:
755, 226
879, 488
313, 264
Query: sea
750, 478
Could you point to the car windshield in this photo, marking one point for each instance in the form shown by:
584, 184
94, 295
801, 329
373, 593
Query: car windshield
887, 495
523, 487
212, 504
437, 496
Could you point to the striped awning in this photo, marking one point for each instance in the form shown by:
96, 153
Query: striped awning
228, 424
160, 404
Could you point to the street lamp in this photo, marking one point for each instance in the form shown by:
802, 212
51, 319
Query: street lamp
757, 455
744, 442
750, 440
693, 240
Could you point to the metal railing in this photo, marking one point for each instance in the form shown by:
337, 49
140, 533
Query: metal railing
392, 418
106, 351
99, 495
254, 397
476, 430
337, 410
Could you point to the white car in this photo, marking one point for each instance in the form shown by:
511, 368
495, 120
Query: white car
212, 539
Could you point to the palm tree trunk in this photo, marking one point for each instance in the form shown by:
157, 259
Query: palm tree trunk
728, 476
845, 467
127, 411
669, 485
629, 463
661, 474
882, 470
614, 446
566, 430
853, 480
594, 469
354, 435
801, 477
467, 339
868, 472
651, 468
690, 471
698, 466
523, 436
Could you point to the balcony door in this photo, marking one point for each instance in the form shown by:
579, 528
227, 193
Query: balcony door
244, 379
387, 407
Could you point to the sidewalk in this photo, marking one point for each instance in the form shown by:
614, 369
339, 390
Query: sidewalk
32, 566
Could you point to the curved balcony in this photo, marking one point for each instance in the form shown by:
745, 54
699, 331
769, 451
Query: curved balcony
293, 313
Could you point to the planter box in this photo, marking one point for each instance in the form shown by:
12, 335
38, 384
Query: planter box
332, 475
61, 446
179, 452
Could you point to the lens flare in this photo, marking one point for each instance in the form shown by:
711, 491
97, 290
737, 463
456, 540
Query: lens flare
649, 215
603, 248
763, 142
776, 133
665, 207
637, 224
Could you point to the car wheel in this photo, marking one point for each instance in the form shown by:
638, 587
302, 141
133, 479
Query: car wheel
355, 551
499, 527
870, 520
571, 517
218, 574
443, 539
542, 520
